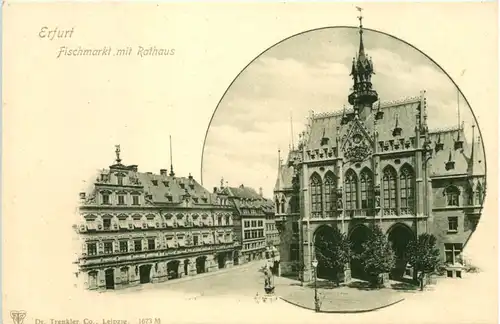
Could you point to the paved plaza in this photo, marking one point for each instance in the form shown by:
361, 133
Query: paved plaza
246, 281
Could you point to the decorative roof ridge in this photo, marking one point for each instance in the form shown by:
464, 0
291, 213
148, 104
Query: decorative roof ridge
398, 102
445, 129
332, 113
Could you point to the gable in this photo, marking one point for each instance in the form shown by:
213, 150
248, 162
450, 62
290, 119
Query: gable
357, 144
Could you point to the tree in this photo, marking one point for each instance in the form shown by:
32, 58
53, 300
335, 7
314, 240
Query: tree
423, 255
377, 255
333, 252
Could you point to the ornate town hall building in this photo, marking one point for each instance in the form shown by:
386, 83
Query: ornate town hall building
378, 163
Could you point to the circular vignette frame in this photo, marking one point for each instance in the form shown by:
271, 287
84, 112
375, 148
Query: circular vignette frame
350, 27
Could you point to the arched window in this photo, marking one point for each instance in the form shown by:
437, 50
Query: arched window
366, 181
479, 195
330, 194
351, 190
407, 190
389, 189
283, 203
316, 196
277, 205
452, 193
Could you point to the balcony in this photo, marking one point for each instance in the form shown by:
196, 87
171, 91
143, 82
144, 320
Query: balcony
360, 213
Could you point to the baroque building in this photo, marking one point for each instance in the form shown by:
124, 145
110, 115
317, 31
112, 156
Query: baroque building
378, 163
139, 228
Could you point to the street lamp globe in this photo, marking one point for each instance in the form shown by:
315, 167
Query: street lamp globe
315, 263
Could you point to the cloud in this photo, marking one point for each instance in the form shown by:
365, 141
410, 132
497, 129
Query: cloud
304, 73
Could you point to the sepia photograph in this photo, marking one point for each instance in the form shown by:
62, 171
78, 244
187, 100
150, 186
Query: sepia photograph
332, 170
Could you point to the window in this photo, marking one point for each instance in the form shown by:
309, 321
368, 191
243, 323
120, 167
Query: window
138, 245
195, 240
219, 220
407, 190
294, 252
121, 200
254, 223
124, 275
452, 193
151, 244
119, 179
351, 188
277, 205
316, 196
108, 247
283, 206
260, 223
295, 227
91, 249
92, 279
135, 200
155, 182
366, 189
105, 198
228, 220
452, 224
106, 223
123, 246
452, 252
479, 195
389, 189
330, 194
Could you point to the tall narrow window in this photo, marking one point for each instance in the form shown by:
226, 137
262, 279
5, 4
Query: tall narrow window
479, 195
452, 193
351, 190
283, 206
316, 196
277, 206
407, 191
389, 189
330, 195
119, 179
366, 181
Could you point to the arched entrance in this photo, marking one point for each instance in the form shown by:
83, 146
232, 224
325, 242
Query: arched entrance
221, 260
109, 275
200, 264
323, 240
399, 235
357, 237
145, 273
173, 269
186, 267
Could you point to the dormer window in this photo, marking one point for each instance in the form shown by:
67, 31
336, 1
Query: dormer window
459, 144
397, 130
119, 179
450, 165
155, 182
379, 115
182, 185
166, 183
439, 147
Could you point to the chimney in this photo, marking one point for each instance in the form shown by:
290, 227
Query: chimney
82, 195
260, 192
190, 177
163, 172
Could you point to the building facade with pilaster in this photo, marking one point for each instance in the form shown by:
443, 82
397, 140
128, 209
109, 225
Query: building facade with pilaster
139, 227
378, 163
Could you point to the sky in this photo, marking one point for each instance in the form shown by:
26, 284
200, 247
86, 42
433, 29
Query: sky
274, 94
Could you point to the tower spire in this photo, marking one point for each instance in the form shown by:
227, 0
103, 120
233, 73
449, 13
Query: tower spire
172, 173
362, 94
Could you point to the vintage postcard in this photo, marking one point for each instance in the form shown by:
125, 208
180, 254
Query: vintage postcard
249, 163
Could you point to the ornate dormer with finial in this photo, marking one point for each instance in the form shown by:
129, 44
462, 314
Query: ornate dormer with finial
397, 129
324, 139
439, 144
459, 143
362, 96
450, 164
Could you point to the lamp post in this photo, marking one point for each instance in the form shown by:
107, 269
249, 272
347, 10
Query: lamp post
316, 300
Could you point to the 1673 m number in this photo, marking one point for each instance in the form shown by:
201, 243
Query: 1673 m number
149, 321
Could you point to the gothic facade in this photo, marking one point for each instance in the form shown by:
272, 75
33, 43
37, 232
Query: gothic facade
138, 228
378, 162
